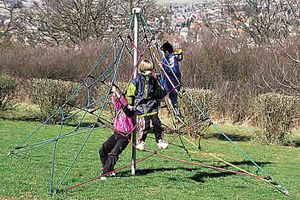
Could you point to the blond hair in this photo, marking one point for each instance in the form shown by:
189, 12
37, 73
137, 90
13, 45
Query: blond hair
145, 65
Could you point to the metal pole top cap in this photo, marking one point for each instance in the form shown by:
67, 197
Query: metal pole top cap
136, 10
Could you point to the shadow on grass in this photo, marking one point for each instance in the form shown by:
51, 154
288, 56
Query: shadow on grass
297, 143
22, 118
249, 163
244, 138
232, 136
199, 176
143, 172
39, 119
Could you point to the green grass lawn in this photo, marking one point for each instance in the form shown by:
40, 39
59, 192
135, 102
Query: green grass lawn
26, 175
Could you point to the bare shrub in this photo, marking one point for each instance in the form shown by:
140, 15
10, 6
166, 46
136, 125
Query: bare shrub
208, 99
195, 113
50, 95
75, 21
53, 62
8, 89
229, 73
275, 114
235, 71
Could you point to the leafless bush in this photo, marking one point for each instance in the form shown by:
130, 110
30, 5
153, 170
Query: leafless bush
50, 95
8, 89
238, 73
9, 18
52, 62
196, 112
235, 72
228, 73
263, 21
275, 114
209, 100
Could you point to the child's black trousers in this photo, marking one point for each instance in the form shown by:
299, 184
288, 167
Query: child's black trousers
111, 149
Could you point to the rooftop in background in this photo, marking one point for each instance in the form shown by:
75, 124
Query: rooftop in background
183, 1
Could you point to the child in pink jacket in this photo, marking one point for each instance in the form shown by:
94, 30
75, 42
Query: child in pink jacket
124, 125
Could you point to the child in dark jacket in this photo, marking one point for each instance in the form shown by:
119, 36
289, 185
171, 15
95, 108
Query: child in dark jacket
124, 125
171, 77
145, 91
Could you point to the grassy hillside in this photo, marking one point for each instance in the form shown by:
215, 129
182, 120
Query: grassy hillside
26, 175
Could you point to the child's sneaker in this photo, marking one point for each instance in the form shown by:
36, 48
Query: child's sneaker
141, 146
103, 177
162, 144
112, 174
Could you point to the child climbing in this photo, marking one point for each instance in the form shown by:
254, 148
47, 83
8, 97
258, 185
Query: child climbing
171, 76
124, 125
145, 92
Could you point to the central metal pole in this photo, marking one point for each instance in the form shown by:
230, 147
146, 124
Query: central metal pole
136, 12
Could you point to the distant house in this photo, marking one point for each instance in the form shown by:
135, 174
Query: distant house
180, 21
184, 32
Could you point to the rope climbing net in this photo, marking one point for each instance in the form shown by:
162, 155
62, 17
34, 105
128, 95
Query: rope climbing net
90, 107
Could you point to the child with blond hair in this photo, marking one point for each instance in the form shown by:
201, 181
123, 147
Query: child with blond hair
145, 92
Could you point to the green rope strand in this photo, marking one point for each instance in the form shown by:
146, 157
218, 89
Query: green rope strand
54, 153
87, 137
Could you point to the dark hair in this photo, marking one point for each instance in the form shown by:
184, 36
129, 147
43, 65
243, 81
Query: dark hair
167, 47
